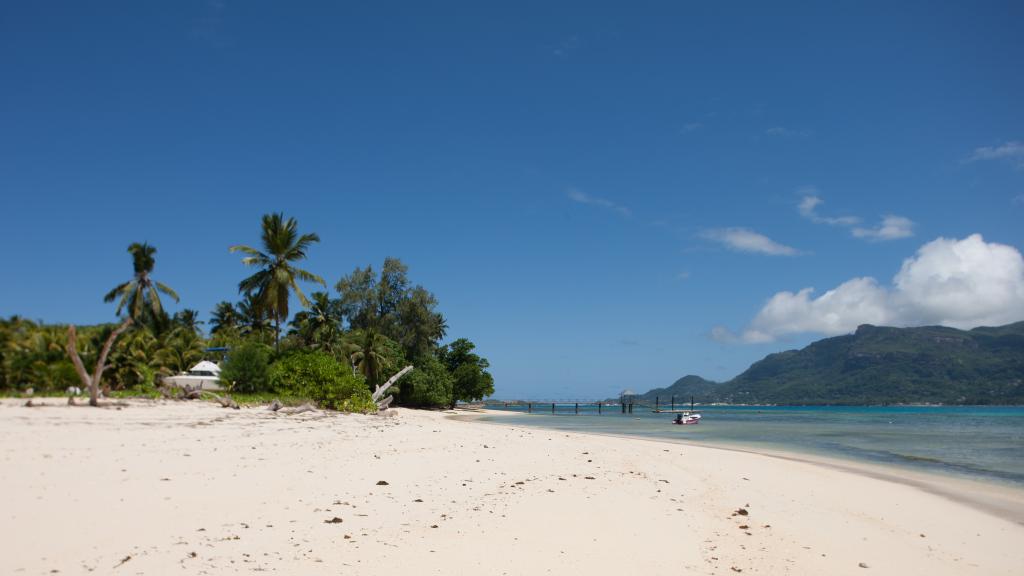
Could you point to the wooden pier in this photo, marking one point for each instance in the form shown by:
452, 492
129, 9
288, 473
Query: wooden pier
576, 407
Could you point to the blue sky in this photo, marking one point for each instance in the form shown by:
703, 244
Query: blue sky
600, 195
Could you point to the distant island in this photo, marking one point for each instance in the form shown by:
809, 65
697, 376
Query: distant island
877, 365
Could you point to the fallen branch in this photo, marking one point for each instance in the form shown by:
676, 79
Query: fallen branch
225, 401
307, 407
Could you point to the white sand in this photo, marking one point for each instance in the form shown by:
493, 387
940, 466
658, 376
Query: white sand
191, 488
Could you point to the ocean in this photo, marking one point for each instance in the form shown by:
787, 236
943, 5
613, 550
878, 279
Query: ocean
979, 442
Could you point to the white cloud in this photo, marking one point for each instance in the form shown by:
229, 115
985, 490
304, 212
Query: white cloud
891, 228
960, 283
744, 240
808, 209
1012, 151
584, 198
690, 127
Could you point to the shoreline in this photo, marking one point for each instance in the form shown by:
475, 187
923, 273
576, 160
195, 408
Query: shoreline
1000, 499
194, 487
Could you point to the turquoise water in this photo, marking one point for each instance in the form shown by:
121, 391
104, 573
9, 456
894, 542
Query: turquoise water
980, 442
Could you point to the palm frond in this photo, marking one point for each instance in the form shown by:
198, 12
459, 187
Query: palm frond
109, 296
168, 290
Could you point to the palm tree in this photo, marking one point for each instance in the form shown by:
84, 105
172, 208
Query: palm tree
251, 317
224, 316
141, 294
369, 355
319, 325
187, 318
180, 351
277, 277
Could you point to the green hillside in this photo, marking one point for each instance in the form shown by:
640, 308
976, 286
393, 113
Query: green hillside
880, 365
683, 389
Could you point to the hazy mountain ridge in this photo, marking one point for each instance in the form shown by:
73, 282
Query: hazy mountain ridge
878, 365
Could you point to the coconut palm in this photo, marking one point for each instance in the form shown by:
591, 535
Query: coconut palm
368, 354
319, 326
224, 316
188, 319
278, 276
140, 296
180, 351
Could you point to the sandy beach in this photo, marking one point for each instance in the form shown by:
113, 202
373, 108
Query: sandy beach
191, 488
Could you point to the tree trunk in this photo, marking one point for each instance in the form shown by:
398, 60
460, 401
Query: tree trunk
380, 390
93, 382
277, 334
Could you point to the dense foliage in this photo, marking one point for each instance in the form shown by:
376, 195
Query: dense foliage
335, 351
471, 380
247, 368
430, 384
321, 378
880, 365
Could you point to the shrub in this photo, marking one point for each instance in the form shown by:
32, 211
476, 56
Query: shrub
319, 377
246, 368
428, 385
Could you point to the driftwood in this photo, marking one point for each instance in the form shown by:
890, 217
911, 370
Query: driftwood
225, 401
307, 407
391, 381
185, 392
93, 382
379, 392
275, 405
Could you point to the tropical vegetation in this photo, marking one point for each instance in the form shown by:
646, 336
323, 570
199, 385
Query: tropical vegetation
334, 351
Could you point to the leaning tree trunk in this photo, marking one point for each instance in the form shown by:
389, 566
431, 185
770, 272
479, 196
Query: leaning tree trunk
383, 403
93, 382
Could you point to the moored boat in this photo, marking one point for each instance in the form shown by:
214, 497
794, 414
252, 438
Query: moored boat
202, 376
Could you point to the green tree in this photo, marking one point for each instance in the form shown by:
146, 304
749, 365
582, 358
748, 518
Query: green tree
180, 350
278, 276
247, 368
469, 371
140, 296
319, 326
369, 353
224, 317
429, 385
253, 318
419, 326
321, 378
392, 306
133, 361
187, 319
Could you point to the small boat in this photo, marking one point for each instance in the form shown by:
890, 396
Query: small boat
687, 418
203, 376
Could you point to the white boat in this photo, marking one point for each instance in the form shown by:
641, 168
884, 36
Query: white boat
687, 418
204, 376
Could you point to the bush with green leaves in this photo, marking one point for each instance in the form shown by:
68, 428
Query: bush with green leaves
429, 385
247, 368
322, 379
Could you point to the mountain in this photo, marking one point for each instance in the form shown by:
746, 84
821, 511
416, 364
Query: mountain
683, 389
880, 365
